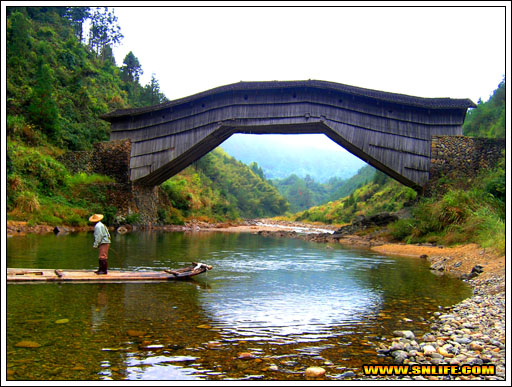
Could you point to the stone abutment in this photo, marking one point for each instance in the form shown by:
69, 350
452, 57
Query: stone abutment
461, 158
112, 159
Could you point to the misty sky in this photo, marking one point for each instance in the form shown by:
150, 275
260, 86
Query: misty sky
456, 52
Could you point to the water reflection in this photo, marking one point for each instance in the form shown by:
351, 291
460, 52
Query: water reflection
159, 368
289, 303
98, 309
289, 293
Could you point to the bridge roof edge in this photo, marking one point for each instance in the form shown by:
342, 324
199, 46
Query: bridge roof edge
422, 102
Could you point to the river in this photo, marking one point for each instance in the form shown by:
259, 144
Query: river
270, 308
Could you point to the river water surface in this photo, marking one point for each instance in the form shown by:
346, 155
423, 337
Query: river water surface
270, 308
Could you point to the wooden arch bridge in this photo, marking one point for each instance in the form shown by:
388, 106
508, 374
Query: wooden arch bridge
389, 131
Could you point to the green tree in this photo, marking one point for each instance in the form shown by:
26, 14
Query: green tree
130, 74
77, 16
151, 94
104, 31
43, 109
488, 118
18, 38
380, 178
131, 70
19, 69
257, 170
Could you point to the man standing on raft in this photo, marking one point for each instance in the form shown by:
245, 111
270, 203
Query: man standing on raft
101, 241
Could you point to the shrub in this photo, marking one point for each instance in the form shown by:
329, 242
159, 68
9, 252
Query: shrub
162, 215
455, 207
27, 202
402, 229
174, 216
75, 219
491, 230
45, 173
495, 182
83, 178
19, 129
132, 218
175, 190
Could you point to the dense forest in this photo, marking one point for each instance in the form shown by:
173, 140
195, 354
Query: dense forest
218, 187
60, 79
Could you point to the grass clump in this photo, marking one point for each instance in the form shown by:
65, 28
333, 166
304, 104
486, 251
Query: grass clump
473, 214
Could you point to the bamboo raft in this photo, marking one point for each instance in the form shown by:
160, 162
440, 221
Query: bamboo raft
64, 275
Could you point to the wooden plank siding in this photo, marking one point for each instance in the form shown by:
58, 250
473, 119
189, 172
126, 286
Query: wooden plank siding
390, 131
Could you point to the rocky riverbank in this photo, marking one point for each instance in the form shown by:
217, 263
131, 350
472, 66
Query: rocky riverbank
469, 333
20, 228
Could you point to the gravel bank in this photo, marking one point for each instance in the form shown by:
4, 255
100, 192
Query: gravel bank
471, 332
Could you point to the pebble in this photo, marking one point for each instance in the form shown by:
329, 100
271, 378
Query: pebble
213, 345
473, 332
406, 334
246, 356
135, 333
152, 347
348, 374
27, 344
315, 372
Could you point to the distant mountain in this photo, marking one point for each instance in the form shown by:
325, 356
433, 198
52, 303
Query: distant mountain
283, 155
303, 193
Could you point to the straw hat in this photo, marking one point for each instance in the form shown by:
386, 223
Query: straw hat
95, 218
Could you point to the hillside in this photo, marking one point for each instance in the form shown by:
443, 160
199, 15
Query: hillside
379, 194
218, 188
60, 80
58, 84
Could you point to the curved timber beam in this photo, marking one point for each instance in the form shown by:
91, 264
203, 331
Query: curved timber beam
391, 132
